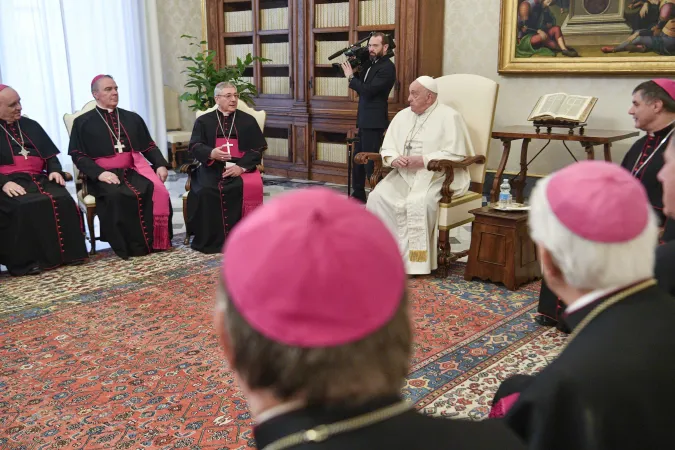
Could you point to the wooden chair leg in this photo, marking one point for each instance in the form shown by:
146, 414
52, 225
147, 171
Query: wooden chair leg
186, 241
174, 149
444, 254
91, 213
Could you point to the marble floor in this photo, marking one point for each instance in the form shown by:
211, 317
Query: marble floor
459, 238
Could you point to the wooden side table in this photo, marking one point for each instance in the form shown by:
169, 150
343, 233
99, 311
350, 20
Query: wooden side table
588, 140
501, 248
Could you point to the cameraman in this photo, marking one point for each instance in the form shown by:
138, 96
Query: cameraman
372, 82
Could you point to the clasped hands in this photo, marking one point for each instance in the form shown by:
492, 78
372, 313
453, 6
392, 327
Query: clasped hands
408, 162
13, 189
218, 154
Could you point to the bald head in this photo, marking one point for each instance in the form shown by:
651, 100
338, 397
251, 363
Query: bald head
10, 105
420, 97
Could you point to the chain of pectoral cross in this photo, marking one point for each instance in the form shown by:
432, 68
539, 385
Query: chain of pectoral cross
408, 145
227, 139
119, 146
21, 144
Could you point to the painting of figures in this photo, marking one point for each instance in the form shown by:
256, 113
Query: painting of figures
587, 36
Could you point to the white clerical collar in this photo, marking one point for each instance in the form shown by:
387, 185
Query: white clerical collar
279, 410
591, 297
222, 112
104, 108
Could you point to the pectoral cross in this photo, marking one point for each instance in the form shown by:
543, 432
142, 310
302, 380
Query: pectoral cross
24, 153
119, 146
408, 147
228, 145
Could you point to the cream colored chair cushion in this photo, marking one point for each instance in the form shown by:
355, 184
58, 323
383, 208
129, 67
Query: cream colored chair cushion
89, 200
178, 137
475, 98
68, 120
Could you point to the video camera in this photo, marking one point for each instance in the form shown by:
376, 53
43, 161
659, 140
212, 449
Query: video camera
357, 54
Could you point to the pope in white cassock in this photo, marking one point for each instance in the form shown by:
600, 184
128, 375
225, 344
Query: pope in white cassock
407, 199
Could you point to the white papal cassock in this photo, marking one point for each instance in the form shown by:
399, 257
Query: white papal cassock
407, 199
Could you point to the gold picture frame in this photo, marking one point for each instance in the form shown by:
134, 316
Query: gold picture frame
595, 61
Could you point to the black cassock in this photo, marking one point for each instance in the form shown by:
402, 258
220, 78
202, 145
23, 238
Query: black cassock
644, 168
644, 160
126, 215
214, 204
42, 229
665, 267
408, 431
611, 388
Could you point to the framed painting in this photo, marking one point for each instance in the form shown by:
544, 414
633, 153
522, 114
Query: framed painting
630, 37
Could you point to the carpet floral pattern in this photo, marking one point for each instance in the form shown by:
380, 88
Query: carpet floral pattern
122, 354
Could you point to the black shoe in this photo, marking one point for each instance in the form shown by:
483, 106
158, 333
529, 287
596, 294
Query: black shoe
35, 270
545, 321
75, 263
563, 328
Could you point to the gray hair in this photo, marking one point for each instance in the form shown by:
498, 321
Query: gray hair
223, 85
94, 85
591, 265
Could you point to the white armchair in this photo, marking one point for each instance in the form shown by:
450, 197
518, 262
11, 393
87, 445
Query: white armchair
85, 201
475, 98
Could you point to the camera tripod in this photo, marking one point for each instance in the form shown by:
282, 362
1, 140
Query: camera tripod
351, 142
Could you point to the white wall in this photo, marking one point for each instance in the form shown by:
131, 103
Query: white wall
177, 17
471, 44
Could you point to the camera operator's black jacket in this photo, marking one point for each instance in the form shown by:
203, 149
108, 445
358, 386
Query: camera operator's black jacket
374, 93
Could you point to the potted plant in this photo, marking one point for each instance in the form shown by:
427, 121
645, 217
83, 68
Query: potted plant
203, 76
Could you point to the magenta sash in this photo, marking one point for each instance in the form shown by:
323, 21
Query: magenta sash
33, 165
253, 185
160, 195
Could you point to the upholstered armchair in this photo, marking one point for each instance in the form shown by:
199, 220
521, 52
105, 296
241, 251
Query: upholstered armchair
259, 116
85, 201
475, 98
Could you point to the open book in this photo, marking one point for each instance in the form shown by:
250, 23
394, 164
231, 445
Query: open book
560, 106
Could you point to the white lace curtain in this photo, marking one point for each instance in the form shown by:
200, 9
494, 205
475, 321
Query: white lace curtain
51, 49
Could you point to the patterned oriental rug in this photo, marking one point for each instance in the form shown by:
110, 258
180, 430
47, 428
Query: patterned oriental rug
122, 354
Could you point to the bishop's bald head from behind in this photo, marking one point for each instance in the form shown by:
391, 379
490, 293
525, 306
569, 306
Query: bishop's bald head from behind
104, 90
10, 104
298, 320
423, 94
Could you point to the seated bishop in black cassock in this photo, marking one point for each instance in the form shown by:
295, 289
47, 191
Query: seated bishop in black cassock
110, 146
611, 386
226, 186
40, 224
321, 350
654, 112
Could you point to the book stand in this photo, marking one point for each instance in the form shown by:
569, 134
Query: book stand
550, 124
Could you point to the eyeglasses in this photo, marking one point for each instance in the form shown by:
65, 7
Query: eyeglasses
228, 96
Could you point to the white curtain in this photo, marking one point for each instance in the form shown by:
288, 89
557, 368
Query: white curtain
51, 49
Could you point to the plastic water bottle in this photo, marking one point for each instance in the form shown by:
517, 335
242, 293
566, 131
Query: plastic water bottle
504, 194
